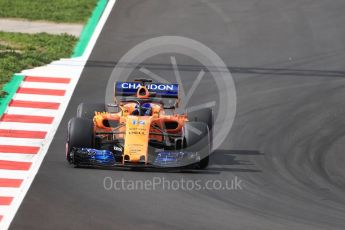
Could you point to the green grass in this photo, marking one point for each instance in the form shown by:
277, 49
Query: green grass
56, 10
23, 51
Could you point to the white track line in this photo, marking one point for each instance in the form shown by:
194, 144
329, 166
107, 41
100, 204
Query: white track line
98, 30
32, 111
24, 126
47, 72
14, 174
41, 85
43, 72
20, 142
17, 157
4, 209
9, 192
38, 98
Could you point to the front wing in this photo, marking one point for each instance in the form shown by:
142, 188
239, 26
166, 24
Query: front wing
105, 158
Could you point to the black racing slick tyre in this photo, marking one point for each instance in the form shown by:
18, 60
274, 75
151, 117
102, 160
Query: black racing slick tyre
197, 139
87, 110
79, 135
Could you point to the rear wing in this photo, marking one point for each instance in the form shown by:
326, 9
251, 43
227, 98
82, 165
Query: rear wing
157, 89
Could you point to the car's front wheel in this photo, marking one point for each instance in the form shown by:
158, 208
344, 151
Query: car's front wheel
79, 135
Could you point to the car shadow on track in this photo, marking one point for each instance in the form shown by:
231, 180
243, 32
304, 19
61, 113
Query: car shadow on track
230, 160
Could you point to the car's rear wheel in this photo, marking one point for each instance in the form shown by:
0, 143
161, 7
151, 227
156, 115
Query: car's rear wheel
87, 110
197, 139
79, 135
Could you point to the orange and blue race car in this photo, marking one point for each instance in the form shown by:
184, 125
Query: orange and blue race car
142, 132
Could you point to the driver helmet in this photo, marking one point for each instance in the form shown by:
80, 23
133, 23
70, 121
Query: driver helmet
146, 109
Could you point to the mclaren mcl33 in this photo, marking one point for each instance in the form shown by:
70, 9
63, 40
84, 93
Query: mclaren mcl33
141, 131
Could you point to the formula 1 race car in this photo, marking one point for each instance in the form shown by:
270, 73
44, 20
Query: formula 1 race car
143, 132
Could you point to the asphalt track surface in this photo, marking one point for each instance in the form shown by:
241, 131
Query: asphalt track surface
287, 143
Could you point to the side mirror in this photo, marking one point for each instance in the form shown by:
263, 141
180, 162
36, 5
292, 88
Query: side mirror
114, 106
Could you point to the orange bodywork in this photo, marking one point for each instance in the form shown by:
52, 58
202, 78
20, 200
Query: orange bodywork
137, 131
